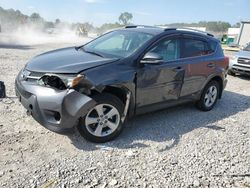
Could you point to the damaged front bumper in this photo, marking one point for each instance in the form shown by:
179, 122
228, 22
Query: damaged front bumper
57, 110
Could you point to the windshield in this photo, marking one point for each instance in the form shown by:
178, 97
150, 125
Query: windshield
247, 48
118, 43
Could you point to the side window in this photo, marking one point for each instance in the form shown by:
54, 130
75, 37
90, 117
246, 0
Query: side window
169, 49
194, 48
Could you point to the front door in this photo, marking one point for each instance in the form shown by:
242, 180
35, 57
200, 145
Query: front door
159, 83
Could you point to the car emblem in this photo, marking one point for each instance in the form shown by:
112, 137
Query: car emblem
25, 74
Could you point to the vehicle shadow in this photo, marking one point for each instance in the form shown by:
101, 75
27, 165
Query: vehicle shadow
168, 126
243, 77
15, 46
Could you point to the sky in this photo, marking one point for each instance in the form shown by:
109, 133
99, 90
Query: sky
146, 12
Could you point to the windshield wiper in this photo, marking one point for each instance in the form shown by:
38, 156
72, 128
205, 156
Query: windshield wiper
92, 52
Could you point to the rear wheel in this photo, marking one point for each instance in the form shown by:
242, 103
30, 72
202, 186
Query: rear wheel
103, 122
209, 96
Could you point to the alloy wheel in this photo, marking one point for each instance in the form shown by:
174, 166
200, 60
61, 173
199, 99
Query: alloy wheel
211, 96
102, 120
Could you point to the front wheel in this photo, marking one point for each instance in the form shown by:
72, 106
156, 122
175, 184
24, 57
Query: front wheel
209, 96
103, 122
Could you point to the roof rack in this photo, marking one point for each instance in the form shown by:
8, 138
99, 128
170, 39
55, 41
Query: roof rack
190, 29
169, 29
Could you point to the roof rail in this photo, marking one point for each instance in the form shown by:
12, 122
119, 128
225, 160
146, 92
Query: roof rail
190, 29
169, 29
196, 30
140, 26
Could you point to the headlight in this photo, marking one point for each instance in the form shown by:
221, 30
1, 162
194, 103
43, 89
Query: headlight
25, 73
72, 81
60, 82
233, 57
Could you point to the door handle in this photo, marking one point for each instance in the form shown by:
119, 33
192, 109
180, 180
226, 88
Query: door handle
211, 65
178, 69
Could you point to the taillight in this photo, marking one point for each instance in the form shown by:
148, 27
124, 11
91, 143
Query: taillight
226, 61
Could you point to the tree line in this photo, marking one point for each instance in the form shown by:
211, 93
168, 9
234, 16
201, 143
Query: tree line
214, 26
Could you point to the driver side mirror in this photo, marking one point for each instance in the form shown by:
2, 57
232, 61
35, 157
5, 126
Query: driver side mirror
152, 58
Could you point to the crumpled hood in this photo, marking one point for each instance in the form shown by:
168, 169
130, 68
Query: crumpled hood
244, 54
66, 60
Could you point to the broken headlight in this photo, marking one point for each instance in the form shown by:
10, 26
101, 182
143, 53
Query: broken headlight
72, 81
60, 82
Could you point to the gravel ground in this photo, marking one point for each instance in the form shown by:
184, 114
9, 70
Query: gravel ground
177, 147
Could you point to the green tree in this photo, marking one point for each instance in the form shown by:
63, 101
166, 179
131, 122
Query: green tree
57, 21
88, 26
35, 17
214, 26
49, 25
218, 26
125, 17
107, 26
237, 24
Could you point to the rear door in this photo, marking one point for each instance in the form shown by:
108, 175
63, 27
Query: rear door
196, 55
158, 83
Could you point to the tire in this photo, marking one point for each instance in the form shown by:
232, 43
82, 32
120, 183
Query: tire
103, 122
209, 96
231, 73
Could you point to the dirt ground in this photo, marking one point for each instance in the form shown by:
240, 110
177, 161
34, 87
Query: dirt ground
176, 147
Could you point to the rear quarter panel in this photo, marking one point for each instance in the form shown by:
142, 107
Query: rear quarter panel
198, 72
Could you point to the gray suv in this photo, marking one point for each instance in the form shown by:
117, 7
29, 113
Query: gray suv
130, 71
240, 62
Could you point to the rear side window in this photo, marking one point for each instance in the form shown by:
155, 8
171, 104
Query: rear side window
213, 46
195, 48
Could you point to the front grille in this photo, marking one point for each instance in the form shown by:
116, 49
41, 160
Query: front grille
33, 80
34, 76
241, 67
241, 71
245, 61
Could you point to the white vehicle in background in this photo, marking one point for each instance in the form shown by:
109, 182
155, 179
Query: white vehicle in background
240, 62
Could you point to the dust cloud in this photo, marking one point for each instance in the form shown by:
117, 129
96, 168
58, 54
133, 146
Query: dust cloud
28, 35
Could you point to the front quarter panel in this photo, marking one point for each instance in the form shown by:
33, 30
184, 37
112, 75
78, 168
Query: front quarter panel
116, 75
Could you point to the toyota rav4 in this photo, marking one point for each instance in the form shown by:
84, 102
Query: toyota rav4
129, 71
